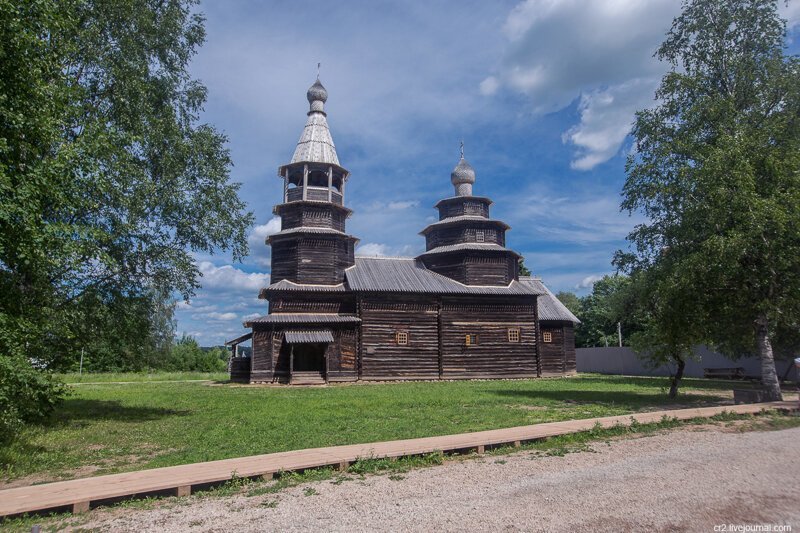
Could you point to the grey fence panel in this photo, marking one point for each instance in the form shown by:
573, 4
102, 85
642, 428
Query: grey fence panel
623, 361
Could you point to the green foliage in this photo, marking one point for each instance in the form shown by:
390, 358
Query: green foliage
26, 395
717, 173
108, 180
601, 310
523, 270
187, 356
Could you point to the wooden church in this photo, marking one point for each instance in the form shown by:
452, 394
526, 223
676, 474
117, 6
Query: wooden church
460, 310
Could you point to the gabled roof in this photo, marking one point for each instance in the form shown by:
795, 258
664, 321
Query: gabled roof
410, 275
550, 307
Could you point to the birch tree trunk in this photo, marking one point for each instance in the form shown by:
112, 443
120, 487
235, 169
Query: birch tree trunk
769, 376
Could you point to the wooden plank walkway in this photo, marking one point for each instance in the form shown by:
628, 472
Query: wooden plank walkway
78, 495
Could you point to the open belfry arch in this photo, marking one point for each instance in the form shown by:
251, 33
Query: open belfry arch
458, 310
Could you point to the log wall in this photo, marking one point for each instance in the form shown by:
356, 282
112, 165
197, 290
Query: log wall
316, 260
570, 360
464, 234
297, 302
381, 356
240, 369
494, 356
455, 208
312, 216
261, 369
436, 326
489, 269
553, 357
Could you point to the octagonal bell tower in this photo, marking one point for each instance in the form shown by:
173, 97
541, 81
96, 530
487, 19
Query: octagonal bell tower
466, 244
312, 246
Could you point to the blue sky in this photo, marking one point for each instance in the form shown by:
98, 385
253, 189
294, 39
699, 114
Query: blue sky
541, 91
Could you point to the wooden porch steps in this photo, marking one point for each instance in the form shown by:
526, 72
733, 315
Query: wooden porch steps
79, 495
307, 378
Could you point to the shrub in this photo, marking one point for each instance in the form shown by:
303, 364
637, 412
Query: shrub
26, 395
186, 355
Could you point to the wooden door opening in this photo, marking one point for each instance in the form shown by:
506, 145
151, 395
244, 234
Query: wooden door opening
309, 357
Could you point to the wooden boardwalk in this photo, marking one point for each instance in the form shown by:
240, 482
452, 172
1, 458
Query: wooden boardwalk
79, 494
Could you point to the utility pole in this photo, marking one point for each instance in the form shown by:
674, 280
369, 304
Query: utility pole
619, 333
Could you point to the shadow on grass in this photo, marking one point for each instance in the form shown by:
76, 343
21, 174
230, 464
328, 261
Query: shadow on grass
663, 381
76, 409
628, 400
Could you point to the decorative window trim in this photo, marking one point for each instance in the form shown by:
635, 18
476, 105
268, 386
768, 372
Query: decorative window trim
547, 336
480, 235
401, 338
514, 334
471, 339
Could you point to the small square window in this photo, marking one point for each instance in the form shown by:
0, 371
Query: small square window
480, 236
471, 339
547, 336
513, 334
401, 337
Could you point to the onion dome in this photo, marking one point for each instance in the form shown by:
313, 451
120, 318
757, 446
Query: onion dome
462, 178
317, 96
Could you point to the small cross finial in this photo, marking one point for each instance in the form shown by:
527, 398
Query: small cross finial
462, 149
318, 66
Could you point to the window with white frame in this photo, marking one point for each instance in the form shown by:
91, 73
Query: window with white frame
401, 337
547, 336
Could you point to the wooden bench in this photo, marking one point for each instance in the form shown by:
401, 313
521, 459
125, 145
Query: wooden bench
724, 373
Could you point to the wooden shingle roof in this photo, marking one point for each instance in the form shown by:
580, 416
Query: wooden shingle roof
303, 318
410, 275
550, 307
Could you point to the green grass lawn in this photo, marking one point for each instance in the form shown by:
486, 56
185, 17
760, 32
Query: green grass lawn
123, 377
107, 427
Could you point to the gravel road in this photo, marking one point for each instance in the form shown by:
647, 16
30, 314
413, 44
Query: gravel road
686, 479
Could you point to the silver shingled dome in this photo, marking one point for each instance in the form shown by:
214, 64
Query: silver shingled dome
317, 93
462, 178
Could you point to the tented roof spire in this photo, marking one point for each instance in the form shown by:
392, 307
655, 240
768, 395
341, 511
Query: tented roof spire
316, 144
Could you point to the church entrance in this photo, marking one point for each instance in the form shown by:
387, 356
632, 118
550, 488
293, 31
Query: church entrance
309, 357
307, 364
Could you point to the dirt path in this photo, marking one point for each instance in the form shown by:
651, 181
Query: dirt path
680, 480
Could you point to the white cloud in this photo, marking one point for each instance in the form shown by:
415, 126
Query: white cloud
217, 316
373, 249
588, 281
230, 279
606, 119
489, 86
259, 251
401, 205
791, 12
600, 51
